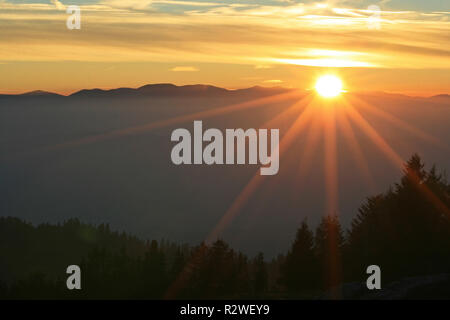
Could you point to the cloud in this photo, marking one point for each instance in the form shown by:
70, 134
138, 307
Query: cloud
261, 36
188, 3
128, 4
273, 81
58, 4
184, 69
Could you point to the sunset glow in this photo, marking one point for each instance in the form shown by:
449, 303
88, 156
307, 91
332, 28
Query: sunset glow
329, 86
224, 150
132, 43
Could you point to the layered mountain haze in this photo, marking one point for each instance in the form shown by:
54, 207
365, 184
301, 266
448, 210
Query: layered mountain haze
82, 156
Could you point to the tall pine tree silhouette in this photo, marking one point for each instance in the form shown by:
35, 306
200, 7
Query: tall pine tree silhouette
299, 271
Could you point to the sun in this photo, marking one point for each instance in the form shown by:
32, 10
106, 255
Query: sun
328, 86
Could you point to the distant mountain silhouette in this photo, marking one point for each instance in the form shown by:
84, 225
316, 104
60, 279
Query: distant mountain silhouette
32, 94
171, 90
166, 90
40, 93
441, 96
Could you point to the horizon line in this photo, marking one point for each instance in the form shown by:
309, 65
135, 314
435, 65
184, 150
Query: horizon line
37, 91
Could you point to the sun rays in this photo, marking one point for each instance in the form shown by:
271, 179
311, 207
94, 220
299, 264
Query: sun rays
322, 125
317, 119
180, 119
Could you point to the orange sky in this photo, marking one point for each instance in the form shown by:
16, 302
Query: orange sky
235, 45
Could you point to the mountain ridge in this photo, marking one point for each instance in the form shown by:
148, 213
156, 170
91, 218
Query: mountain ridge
169, 89
172, 90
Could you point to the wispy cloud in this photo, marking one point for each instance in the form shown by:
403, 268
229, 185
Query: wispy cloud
184, 69
58, 4
273, 81
128, 4
257, 35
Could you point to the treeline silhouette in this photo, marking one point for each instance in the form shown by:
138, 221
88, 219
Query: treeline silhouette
406, 231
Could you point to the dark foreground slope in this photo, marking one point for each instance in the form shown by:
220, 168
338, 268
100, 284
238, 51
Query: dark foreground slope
405, 231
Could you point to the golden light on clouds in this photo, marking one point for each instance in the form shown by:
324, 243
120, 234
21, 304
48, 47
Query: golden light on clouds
263, 37
326, 62
184, 69
273, 81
